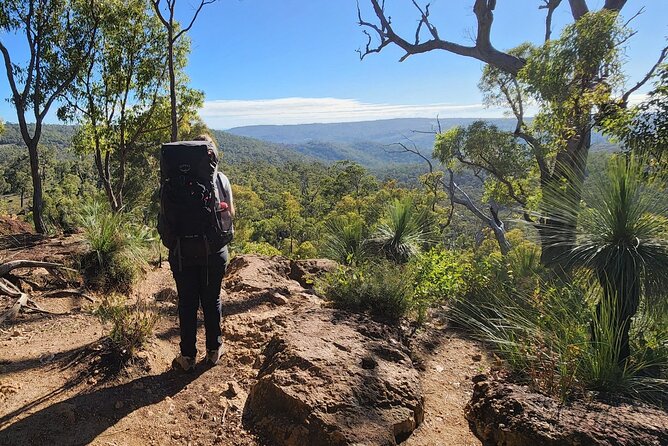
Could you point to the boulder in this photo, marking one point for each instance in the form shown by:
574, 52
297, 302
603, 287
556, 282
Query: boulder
330, 380
254, 273
305, 271
510, 415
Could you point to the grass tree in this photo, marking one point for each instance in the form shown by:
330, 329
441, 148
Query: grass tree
402, 233
622, 241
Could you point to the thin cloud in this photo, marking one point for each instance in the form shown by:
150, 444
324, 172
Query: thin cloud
221, 114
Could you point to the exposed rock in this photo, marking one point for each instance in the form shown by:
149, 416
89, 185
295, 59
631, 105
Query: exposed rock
509, 415
324, 382
304, 271
253, 273
278, 299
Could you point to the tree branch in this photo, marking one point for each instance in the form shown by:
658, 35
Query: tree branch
192, 21
483, 49
550, 5
648, 76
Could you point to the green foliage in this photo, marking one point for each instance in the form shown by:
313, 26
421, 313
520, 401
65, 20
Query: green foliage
402, 233
643, 128
483, 147
564, 75
439, 275
622, 242
261, 248
379, 288
345, 240
545, 336
131, 325
118, 248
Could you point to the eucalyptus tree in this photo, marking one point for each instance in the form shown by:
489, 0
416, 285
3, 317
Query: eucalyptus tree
120, 99
58, 36
174, 35
570, 79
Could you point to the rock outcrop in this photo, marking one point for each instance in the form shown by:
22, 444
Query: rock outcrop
509, 415
334, 379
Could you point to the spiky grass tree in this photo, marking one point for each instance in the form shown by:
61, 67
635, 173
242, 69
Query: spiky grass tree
344, 241
622, 241
402, 233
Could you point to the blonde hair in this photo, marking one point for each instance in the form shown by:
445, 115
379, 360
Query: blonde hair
203, 137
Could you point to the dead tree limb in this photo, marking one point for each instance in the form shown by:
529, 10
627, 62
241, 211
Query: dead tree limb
14, 264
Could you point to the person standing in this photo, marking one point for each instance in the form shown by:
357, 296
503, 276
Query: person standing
199, 278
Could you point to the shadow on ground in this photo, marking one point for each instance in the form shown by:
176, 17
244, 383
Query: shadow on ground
80, 419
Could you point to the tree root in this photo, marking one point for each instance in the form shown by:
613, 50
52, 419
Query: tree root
23, 300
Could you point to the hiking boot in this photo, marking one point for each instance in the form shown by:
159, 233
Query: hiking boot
212, 356
183, 363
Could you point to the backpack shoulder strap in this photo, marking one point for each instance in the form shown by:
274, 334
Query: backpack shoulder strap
220, 184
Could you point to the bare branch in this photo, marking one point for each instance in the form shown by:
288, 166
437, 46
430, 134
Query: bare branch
192, 21
482, 50
648, 76
550, 5
628, 22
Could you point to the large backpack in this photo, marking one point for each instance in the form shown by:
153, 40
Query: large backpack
192, 222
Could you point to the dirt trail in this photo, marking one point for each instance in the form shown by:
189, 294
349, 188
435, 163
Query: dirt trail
51, 394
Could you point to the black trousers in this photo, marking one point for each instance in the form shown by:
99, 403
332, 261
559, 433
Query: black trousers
200, 285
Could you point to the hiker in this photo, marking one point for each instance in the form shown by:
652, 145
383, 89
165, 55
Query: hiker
195, 223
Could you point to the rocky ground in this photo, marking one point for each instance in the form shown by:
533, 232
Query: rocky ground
294, 371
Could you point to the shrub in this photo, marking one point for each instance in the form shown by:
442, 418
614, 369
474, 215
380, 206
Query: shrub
118, 248
547, 337
262, 248
345, 241
131, 325
382, 289
402, 233
439, 275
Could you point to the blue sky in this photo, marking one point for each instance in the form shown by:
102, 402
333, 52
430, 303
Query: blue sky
294, 61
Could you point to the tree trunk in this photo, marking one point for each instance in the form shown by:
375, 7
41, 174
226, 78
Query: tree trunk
172, 85
37, 200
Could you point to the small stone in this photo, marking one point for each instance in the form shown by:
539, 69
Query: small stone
201, 399
16, 333
278, 299
232, 390
191, 405
439, 368
176, 435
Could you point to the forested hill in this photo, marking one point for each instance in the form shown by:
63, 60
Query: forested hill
386, 131
349, 138
236, 148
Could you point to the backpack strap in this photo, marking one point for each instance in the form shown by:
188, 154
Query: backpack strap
220, 183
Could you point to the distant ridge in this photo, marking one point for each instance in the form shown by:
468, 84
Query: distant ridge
387, 131
376, 136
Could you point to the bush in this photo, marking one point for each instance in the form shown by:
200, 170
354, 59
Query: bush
262, 248
118, 248
546, 335
439, 275
382, 289
131, 326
